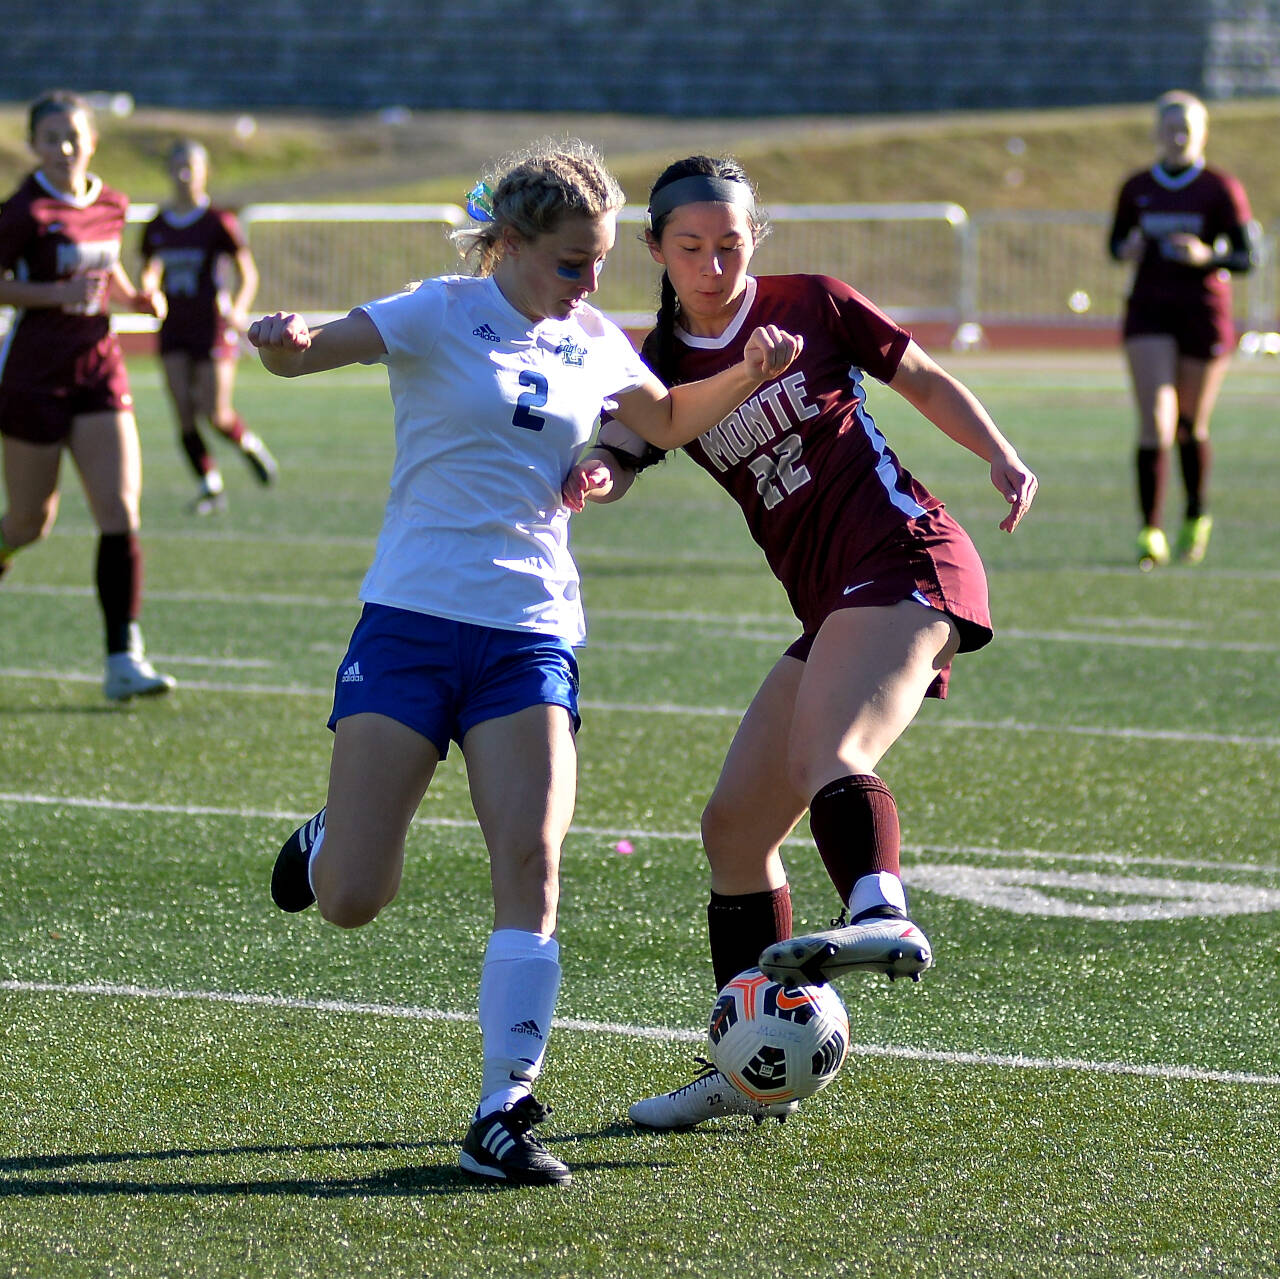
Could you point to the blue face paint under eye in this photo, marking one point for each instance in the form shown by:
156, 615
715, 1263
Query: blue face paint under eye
569, 272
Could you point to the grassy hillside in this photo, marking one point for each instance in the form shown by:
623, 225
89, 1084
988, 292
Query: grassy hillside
998, 160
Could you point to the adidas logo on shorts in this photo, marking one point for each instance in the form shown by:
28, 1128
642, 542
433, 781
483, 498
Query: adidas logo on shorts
486, 332
352, 674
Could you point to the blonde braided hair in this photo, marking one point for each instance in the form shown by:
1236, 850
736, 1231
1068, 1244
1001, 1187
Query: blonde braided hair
533, 191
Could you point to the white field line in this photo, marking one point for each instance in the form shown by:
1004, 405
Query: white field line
1099, 858
111, 990
787, 627
585, 553
716, 712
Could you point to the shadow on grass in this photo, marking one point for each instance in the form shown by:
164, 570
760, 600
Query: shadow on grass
410, 1179
71, 708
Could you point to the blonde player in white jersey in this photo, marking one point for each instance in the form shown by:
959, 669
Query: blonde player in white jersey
472, 605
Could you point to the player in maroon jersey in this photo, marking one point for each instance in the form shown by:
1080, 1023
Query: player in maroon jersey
887, 587
1187, 227
184, 249
63, 383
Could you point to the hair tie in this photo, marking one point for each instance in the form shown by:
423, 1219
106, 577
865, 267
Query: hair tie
480, 202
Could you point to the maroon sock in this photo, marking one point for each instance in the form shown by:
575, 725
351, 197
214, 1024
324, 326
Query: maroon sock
854, 822
1195, 456
119, 576
199, 457
742, 925
234, 429
1153, 466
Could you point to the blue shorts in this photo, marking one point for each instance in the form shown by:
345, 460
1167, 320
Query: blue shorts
441, 678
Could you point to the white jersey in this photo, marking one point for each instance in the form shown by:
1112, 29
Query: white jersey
491, 412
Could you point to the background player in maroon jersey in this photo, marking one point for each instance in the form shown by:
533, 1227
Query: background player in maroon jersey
63, 383
185, 249
887, 586
1187, 227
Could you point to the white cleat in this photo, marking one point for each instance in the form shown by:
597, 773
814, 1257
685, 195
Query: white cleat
130, 675
881, 943
709, 1096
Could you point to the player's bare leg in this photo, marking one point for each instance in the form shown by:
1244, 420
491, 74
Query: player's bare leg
218, 383
866, 676
378, 774
31, 487
752, 810
108, 455
522, 771
1153, 369
187, 396
1199, 382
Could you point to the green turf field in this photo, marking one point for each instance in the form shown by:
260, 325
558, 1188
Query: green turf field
1086, 1085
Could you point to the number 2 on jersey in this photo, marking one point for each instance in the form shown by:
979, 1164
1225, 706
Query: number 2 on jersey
534, 398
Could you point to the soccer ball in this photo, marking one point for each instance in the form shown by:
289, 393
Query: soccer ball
778, 1043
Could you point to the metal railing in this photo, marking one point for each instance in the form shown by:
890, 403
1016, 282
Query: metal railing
918, 262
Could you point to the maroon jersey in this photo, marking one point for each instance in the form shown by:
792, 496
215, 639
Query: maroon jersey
47, 235
1201, 201
189, 247
840, 520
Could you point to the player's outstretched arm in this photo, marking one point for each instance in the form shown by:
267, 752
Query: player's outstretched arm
958, 413
671, 418
288, 347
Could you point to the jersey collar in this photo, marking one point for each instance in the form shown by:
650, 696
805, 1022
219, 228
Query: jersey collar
735, 325
78, 201
189, 218
1176, 181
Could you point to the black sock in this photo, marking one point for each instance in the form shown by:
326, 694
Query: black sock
1153, 466
1195, 456
119, 576
854, 821
193, 446
740, 926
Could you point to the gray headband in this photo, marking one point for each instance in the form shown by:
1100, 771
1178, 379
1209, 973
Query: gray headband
699, 188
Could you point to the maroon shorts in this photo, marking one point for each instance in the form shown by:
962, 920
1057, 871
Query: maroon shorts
203, 341
43, 414
932, 560
1201, 332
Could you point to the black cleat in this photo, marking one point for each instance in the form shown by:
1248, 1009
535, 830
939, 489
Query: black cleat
290, 887
501, 1146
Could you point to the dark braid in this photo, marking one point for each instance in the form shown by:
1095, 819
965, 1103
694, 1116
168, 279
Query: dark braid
664, 328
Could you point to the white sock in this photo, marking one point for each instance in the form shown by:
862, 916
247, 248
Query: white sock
518, 987
317, 843
881, 889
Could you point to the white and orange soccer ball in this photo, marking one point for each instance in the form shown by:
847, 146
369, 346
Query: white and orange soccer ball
778, 1043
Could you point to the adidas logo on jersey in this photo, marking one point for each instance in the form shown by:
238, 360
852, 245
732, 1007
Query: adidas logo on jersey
527, 1027
486, 332
352, 674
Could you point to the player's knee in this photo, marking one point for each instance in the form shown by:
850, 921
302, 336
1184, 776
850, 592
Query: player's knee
22, 529
723, 831
349, 906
